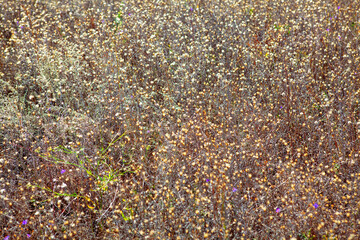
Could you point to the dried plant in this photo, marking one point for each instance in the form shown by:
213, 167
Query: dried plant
183, 119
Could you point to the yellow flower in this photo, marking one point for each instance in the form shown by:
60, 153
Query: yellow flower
89, 200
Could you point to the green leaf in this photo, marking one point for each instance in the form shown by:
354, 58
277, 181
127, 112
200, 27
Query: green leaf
111, 143
124, 217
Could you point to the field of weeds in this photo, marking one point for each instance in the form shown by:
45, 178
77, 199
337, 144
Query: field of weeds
179, 119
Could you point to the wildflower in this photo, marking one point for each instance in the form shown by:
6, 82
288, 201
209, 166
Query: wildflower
208, 180
148, 131
278, 210
7, 238
25, 222
327, 29
234, 189
191, 9
28, 235
338, 7
63, 171
316, 205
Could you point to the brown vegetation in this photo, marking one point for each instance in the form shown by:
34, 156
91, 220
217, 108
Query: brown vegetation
179, 119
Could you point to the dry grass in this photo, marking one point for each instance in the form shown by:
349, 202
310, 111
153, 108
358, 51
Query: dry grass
179, 119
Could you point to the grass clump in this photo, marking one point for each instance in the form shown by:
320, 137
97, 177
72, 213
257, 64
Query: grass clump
179, 119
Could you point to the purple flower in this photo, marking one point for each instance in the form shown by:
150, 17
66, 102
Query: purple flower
148, 131
208, 180
278, 210
63, 171
191, 9
339, 37
339, 7
330, 18
25, 222
280, 106
327, 29
234, 189
28, 235
129, 14
22, 27
316, 205
7, 238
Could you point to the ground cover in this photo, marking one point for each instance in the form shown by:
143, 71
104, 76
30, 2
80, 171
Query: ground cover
179, 119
